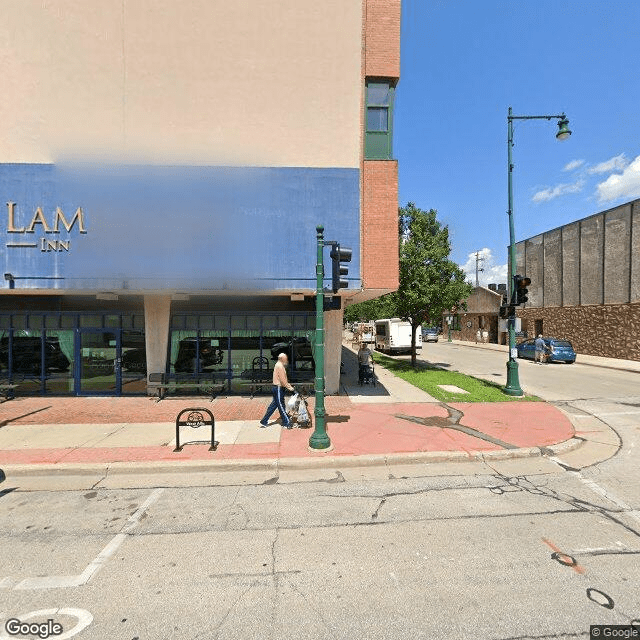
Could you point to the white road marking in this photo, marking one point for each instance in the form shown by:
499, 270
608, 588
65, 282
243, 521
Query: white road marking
601, 491
62, 582
134, 518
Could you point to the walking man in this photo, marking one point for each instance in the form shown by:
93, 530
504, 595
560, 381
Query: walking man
540, 349
280, 383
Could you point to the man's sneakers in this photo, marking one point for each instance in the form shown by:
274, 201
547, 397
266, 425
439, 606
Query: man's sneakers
263, 425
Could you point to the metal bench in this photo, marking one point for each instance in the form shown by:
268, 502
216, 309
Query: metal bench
161, 383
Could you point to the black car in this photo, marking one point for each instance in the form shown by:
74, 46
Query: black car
296, 349
135, 359
189, 348
27, 355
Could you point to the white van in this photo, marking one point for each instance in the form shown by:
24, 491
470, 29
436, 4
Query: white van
394, 336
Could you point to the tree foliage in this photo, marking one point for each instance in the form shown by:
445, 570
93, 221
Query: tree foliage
430, 283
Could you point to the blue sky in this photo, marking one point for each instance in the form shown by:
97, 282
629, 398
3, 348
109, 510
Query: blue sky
464, 62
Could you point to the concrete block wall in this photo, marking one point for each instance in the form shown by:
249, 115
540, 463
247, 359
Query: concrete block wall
592, 261
609, 330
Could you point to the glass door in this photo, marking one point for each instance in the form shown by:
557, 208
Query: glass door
99, 362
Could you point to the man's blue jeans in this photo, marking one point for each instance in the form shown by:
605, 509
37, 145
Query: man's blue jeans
276, 403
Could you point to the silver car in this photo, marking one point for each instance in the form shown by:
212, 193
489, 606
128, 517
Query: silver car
430, 334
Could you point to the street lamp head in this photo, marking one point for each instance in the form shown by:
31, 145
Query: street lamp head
563, 128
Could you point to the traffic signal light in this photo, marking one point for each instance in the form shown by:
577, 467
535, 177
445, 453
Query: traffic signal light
520, 284
338, 270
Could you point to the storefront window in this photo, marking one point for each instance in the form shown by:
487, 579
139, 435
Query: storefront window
91, 322
133, 363
59, 345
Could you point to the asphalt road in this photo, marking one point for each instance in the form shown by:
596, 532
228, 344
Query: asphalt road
554, 382
446, 556
507, 550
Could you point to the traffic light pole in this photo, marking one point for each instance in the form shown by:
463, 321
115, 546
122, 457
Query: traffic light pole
319, 439
512, 387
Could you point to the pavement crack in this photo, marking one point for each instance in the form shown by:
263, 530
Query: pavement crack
236, 513
104, 477
216, 629
524, 484
328, 627
374, 515
274, 542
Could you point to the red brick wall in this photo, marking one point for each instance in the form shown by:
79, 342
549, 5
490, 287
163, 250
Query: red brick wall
382, 38
380, 224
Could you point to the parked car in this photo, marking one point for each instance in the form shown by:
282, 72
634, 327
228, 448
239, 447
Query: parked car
430, 334
556, 350
134, 359
299, 347
186, 358
27, 355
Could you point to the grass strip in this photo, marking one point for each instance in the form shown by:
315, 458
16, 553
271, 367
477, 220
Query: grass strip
427, 378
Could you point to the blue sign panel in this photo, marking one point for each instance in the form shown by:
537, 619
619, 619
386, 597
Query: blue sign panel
188, 228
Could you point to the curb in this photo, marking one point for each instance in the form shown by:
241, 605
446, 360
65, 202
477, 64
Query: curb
287, 464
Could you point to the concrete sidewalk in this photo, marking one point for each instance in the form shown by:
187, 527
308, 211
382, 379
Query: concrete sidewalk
391, 422
367, 426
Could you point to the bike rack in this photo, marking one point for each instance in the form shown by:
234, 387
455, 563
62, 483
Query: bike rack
196, 419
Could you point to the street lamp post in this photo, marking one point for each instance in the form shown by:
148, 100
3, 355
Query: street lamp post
319, 439
513, 383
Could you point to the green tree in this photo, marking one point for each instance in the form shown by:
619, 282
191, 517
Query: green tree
430, 283
370, 310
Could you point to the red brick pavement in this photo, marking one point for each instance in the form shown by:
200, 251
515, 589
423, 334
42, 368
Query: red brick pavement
354, 430
96, 410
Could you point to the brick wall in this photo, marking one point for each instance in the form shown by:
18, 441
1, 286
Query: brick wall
468, 333
379, 219
380, 224
382, 36
610, 330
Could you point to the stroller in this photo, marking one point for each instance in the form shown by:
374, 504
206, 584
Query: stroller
366, 375
298, 411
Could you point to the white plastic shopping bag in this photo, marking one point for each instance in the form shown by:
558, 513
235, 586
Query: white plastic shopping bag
292, 402
303, 414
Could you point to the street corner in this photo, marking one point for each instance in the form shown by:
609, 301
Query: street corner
521, 424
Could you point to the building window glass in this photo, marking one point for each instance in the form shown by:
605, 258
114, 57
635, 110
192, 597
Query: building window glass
379, 120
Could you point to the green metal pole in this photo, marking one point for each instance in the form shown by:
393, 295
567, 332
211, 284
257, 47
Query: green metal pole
513, 382
319, 439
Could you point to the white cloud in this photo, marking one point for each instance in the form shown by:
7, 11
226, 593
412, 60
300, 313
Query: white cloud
559, 190
493, 273
617, 163
574, 164
621, 185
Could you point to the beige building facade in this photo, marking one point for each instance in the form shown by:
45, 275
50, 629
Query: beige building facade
163, 167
